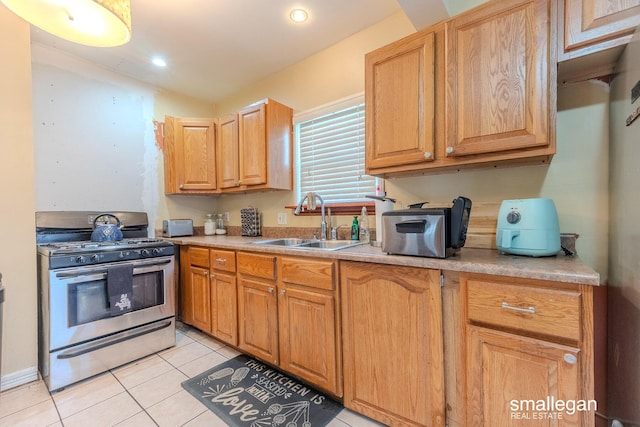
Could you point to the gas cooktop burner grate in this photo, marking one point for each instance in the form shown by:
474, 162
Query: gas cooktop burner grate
85, 244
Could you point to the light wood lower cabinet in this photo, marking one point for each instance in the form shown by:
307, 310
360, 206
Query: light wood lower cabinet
309, 321
392, 338
399, 344
507, 371
209, 294
224, 296
527, 341
196, 291
288, 315
258, 306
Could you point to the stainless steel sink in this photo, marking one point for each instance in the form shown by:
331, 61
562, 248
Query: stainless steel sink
283, 242
293, 243
330, 245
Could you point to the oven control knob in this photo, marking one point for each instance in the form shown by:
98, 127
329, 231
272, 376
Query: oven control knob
144, 252
80, 260
155, 251
95, 258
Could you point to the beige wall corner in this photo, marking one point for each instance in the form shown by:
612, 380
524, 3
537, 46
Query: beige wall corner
17, 204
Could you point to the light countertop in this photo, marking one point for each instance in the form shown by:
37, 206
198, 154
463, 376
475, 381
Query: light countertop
559, 268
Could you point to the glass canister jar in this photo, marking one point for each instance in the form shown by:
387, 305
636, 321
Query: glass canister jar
220, 227
209, 225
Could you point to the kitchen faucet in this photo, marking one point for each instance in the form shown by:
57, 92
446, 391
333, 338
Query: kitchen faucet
334, 231
310, 197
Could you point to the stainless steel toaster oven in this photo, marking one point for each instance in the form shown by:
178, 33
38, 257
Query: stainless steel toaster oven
426, 232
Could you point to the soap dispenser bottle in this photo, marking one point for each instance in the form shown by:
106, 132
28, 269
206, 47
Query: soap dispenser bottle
355, 229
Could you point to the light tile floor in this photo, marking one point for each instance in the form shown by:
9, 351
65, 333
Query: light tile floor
143, 393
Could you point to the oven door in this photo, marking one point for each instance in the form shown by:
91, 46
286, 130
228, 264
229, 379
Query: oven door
79, 304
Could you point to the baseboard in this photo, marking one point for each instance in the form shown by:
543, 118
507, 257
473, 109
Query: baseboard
18, 378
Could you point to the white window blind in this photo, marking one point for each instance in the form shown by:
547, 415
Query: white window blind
331, 156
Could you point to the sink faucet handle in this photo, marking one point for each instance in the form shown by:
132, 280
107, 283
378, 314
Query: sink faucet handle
334, 231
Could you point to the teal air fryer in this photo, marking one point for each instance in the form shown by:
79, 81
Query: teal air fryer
528, 227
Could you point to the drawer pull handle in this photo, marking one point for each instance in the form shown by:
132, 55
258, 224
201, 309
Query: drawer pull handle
221, 260
570, 359
531, 310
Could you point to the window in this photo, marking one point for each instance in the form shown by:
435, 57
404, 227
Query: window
330, 151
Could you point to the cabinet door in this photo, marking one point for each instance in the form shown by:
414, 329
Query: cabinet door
505, 369
200, 297
307, 323
195, 154
400, 102
224, 303
498, 78
227, 145
392, 338
253, 145
258, 319
590, 22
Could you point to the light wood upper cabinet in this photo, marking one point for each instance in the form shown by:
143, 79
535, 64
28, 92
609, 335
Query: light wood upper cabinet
253, 145
594, 25
393, 345
265, 146
190, 155
499, 80
400, 102
228, 152
250, 150
476, 90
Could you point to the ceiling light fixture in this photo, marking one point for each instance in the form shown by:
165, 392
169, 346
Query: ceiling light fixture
101, 23
159, 62
298, 15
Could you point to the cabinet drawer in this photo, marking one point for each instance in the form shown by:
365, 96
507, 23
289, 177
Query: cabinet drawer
257, 265
551, 312
223, 260
199, 257
309, 272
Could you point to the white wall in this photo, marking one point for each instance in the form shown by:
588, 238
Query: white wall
17, 201
94, 139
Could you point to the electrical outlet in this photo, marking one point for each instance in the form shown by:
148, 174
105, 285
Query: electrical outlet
227, 217
282, 218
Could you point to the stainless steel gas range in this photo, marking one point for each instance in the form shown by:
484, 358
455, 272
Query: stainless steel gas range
101, 304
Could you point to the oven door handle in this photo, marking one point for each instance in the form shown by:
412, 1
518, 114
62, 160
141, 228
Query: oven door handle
115, 339
83, 274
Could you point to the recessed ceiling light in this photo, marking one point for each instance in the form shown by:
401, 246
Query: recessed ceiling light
159, 62
298, 15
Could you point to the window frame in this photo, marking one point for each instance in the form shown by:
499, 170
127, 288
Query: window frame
342, 208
